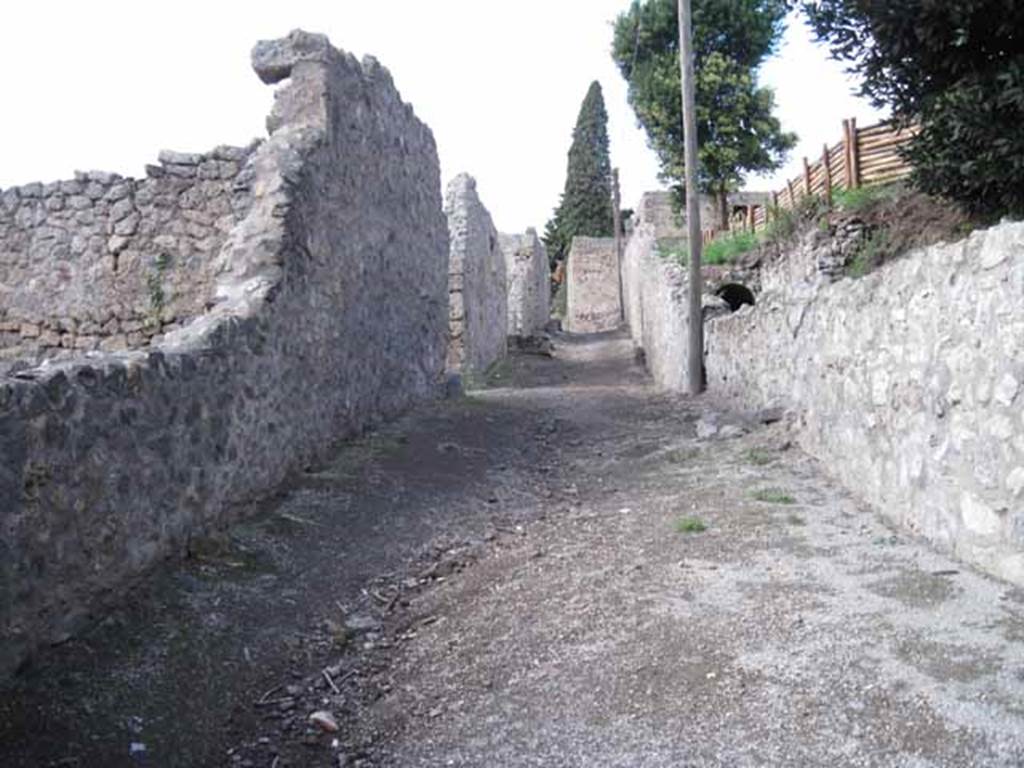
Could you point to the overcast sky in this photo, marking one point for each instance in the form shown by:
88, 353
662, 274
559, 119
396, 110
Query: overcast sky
106, 84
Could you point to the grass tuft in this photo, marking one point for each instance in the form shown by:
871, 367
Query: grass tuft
759, 457
773, 496
872, 252
848, 200
690, 525
726, 250
682, 455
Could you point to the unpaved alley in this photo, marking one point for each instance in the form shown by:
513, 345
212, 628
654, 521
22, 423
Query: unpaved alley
566, 568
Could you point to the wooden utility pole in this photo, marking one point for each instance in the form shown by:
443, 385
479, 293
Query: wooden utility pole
695, 359
617, 223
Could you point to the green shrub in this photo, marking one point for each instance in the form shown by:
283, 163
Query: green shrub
955, 68
848, 200
673, 249
727, 249
873, 251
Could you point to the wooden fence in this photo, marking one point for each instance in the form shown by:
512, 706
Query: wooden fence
863, 156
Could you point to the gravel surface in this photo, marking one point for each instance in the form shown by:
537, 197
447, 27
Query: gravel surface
564, 569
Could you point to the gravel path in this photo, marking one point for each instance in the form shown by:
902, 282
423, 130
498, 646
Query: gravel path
565, 569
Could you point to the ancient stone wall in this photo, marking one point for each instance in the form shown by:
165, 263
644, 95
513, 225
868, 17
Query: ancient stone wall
906, 383
477, 294
105, 262
328, 313
592, 286
655, 294
529, 283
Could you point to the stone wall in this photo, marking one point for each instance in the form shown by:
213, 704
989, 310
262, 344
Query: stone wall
592, 286
655, 294
105, 262
906, 383
328, 314
658, 210
529, 283
477, 299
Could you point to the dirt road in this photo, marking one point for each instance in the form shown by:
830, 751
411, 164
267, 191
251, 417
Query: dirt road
565, 569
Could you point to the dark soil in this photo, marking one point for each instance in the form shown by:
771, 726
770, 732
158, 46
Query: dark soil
915, 220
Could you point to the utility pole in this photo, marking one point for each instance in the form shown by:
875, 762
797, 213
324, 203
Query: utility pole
695, 359
617, 223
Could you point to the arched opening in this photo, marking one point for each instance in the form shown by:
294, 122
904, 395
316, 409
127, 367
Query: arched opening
735, 295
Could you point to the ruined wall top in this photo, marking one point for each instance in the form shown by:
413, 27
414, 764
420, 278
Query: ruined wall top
102, 263
325, 313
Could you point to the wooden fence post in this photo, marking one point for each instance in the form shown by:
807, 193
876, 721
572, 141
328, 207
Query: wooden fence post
846, 154
750, 216
854, 154
826, 165
807, 178
792, 195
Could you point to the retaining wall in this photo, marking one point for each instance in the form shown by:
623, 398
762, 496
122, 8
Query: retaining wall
477, 291
328, 313
906, 384
529, 283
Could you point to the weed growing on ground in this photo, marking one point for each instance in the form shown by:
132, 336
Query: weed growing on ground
848, 200
781, 226
672, 249
872, 252
682, 455
727, 249
759, 457
773, 496
690, 525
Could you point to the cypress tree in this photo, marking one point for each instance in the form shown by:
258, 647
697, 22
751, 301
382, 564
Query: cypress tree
586, 204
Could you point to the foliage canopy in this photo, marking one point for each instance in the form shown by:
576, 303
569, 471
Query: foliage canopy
737, 133
957, 68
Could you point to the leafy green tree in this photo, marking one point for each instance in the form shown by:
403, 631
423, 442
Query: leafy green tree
737, 133
586, 204
958, 68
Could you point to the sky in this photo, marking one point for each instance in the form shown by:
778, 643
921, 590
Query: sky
106, 84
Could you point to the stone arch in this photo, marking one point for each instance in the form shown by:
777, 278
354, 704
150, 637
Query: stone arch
735, 295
